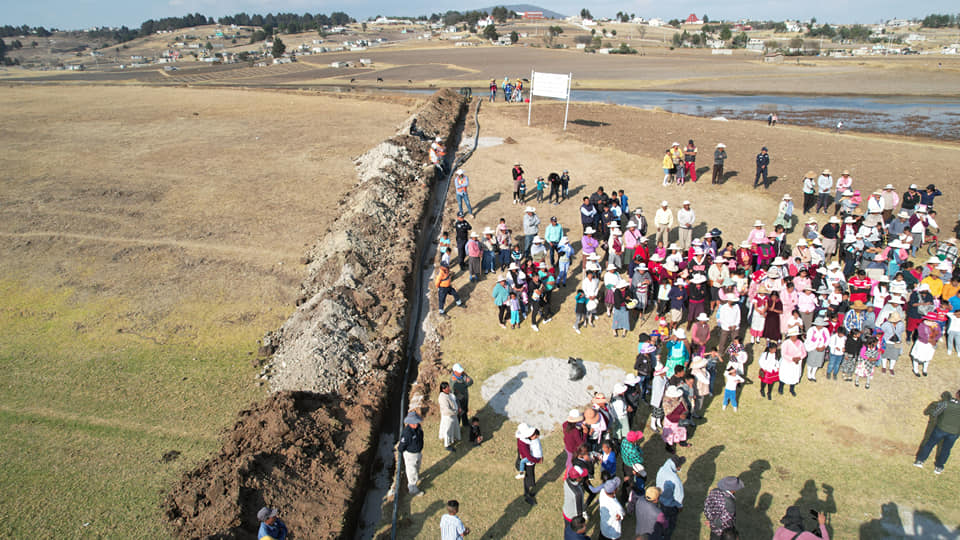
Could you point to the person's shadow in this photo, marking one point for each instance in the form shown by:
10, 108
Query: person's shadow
501, 528
411, 525
700, 478
890, 525
810, 500
728, 175
486, 201
751, 509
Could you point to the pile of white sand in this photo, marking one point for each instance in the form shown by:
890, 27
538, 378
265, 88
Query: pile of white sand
540, 393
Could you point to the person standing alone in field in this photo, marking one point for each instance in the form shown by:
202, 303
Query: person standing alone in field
763, 161
719, 156
462, 182
945, 432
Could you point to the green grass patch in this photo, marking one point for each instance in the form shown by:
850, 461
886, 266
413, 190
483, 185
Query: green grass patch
94, 394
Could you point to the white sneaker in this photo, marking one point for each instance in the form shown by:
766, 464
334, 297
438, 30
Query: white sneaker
918, 464
735, 410
545, 321
535, 329
520, 476
724, 407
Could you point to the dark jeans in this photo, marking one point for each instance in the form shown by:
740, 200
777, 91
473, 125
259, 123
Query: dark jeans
461, 255
760, 172
442, 292
717, 173
809, 199
823, 201
529, 480
554, 193
943, 454
671, 513
504, 315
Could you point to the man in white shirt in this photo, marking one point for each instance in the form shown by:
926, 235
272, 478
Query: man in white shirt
824, 185
728, 319
875, 209
663, 221
451, 528
685, 219
611, 511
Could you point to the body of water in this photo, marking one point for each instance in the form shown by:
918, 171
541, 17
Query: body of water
917, 116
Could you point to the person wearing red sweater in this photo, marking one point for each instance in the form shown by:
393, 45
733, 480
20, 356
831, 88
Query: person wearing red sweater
574, 434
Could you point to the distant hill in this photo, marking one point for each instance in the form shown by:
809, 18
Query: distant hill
528, 7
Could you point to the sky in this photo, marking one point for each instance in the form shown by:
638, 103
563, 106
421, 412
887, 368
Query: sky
78, 14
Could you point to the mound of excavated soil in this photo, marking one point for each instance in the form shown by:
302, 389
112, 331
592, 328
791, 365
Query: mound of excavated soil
278, 455
335, 363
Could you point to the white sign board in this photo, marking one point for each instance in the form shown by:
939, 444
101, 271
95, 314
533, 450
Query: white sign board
554, 85
551, 85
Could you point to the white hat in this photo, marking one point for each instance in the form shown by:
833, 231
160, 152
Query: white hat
438, 139
537, 240
675, 144
564, 240
524, 431
834, 265
833, 219
459, 172
594, 257
849, 220
641, 266
487, 230
896, 300
631, 379
589, 230
923, 287
787, 197
888, 186
593, 267
611, 266
914, 186
513, 266
698, 279
703, 317
530, 209
664, 203
623, 283
474, 234
793, 332
673, 246
680, 333
457, 368
686, 203
903, 214
616, 232
758, 223
619, 388
721, 145
672, 392
896, 244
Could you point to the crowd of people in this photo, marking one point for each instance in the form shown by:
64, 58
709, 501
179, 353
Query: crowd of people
512, 90
848, 296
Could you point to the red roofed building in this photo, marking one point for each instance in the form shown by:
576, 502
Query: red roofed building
693, 19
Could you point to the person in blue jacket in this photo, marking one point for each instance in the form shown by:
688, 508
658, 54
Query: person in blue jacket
271, 528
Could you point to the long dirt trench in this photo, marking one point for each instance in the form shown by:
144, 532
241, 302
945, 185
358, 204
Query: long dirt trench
337, 367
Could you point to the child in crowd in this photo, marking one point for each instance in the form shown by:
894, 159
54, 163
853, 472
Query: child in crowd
580, 308
476, 437
541, 185
868, 359
514, 311
444, 248
731, 380
851, 351
608, 461
836, 346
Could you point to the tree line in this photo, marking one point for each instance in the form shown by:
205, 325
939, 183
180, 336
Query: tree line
938, 20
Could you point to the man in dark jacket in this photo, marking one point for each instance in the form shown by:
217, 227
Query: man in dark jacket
588, 213
644, 363
460, 382
719, 156
947, 413
463, 235
763, 160
411, 448
576, 529
910, 199
720, 507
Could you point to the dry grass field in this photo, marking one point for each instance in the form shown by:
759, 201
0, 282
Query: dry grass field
844, 450
148, 238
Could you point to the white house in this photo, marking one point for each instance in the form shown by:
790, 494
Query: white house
485, 22
656, 23
755, 44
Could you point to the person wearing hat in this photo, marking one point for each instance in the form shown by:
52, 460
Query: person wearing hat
663, 221
489, 246
824, 186
676, 158
565, 254
928, 335
271, 528
611, 511
828, 237
552, 236
671, 491
530, 453
763, 161
947, 250
719, 156
809, 191
410, 447
911, 198
650, 518
875, 209
462, 227
818, 337
501, 299
791, 364
620, 315
928, 195
685, 221
675, 412
449, 415
919, 303
891, 199
461, 182
946, 430
792, 528
437, 153
531, 228
444, 283
474, 257
589, 245
574, 434
658, 386
538, 250
785, 213
460, 383
720, 506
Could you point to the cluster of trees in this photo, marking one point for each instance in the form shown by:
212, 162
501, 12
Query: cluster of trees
500, 14
938, 20
4, 59
625, 17
25, 30
290, 23
116, 35
151, 26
